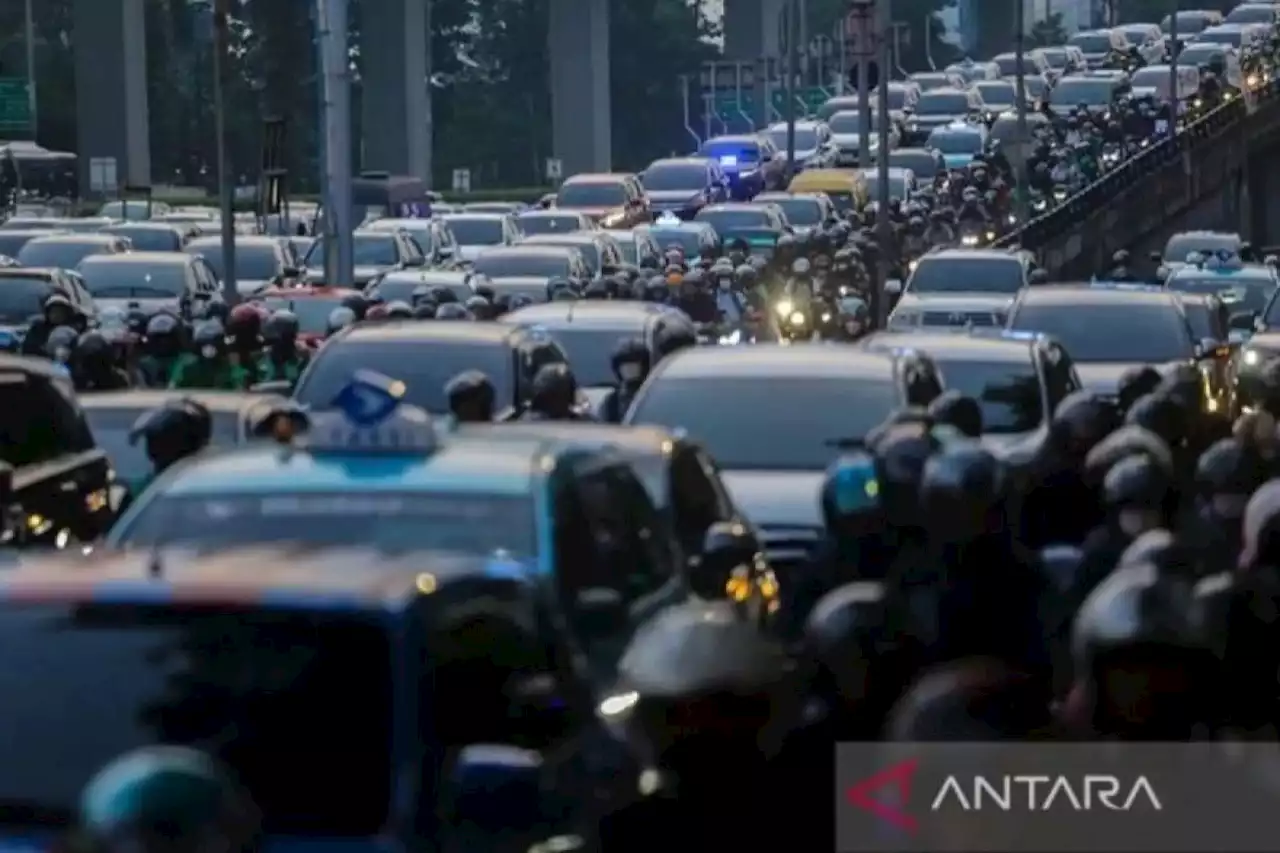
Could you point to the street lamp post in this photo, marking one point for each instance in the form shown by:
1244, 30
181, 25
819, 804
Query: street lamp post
226, 185
1021, 178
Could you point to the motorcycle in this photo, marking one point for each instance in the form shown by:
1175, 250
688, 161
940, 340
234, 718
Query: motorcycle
974, 235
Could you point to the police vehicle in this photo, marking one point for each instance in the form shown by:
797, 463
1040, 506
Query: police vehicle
750, 163
335, 684
377, 473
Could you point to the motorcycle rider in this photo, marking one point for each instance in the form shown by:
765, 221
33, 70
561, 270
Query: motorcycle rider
940, 232
162, 347
283, 360
695, 298
56, 311
209, 365
553, 395
171, 433
60, 346
244, 339
630, 361
1120, 269
93, 364
472, 398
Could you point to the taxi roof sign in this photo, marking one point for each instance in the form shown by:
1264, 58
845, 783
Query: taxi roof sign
668, 218
369, 416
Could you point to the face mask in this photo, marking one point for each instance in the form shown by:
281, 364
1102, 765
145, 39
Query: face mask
209, 351
630, 372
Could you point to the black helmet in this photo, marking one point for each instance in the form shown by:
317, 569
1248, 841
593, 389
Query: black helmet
167, 798
1228, 467
479, 307
630, 352
554, 389
93, 346
358, 304
281, 328
453, 311
1081, 421
424, 311
174, 431
209, 334
1137, 482
1162, 416
443, 295
1125, 442
1135, 383
471, 397
959, 411
901, 452
961, 487
161, 325
596, 290
676, 337
422, 293
399, 310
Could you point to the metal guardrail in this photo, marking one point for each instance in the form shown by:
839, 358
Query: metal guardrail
1136, 198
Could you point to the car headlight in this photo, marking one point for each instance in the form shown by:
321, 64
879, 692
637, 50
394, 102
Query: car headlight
969, 240
733, 337
796, 319
991, 235
911, 267
785, 307
1252, 358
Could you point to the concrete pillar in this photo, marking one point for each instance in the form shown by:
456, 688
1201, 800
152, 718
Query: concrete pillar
393, 66
751, 28
111, 88
581, 111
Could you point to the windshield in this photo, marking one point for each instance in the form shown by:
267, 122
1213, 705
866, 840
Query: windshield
800, 211
943, 103
689, 240
848, 123
1203, 54
1091, 42
1088, 92
950, 142
549, 223
1056, 57
132, 211
1008, 394
1237, 294
1231, 37
267, 692
419, 230
125, 278
997, 94
11, 243
501, 264
935, 80
676, 177
806, 138
476, 230
1008, 64
731, 153
1250, 14
1153, 77
592, 195
726, 417
1178, 247
728, 219
897, 183
1035, 85
423, 366
111, 428
1188, 22
253, 263
22, 298
922, 163
398, 287
67, 256
471, 523
369, 250
1125, 331
149, 239
312, 311
590, 352
957, 274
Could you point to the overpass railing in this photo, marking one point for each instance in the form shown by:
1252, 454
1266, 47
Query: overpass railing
1078, 237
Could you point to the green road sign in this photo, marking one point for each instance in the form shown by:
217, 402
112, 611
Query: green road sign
726, 103
15, 107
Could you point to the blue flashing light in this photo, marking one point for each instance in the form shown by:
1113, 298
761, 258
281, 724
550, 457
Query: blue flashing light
502, 566
369, 416
1020, 335
729, 160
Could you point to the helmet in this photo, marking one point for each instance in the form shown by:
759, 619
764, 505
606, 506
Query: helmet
340, 318
554, 389
959, 411
399, 310
1137, 482
453, 311
282, 328
630, 360
471, 397
173, 431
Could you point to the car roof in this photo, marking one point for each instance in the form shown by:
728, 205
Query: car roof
278, 577
1060, 295
586, 313
687, 161
542, 247
1256, 272
766, 198
424, 276
538, 212
734, 205
217, 402
82, 237
459, 465
598, 178
955, 301
644, 438
241, 240
412, 331
34, 232
675, 226
736, 138
140, 257
970, 255
573, 238
464, 214
769, 361
143, 226
943, 346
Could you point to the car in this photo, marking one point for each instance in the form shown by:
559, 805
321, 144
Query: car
927, 81
1107, 329
638, 247
1210, 320
1153, 82
691, 238
1192, 21
601, 252
260, 261
999, 96
813, 146
553, 221
425, 356
477, 232
152, 281
23, 291
311, 304
84, 224
399, 286
68, 250
740, 216
373, 253
151, 236
973, 72
946, 311
942, 107
12, 241
588, 331
132, 210
958, 142
750, 162
1244, 289
1097, 94
773, 450
1182, 245
526, 269
1098, 45
1239, 36
684, 185
34, 223
433, 237
613, 200
846, 137
1063, 59
902, 182
1254, 13
970, 272
1148, 39
547, 513
111, 416
1017, 379
924, 163
804, 211
1035, 61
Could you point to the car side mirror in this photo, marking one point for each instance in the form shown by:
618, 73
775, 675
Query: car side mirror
445, 252
416, 262
496, 786
291, 272
726, 546
600, 611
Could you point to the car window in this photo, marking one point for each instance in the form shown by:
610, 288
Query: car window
22, 297
957, 274
140, 278
1114, 332
1009, 394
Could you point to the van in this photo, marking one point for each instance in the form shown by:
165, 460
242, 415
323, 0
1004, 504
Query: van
1153, 81
845, 187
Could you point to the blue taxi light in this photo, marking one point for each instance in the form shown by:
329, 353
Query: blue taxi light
369, 416
728, 160
369, 398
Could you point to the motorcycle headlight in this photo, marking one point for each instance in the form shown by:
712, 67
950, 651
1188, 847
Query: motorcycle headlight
785, 307
796, 319
969, 240
1252, 358
991, 235
911, 267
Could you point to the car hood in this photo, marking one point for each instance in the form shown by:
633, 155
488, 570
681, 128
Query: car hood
963, 301
666, 198
933, 119
151, 306
470, 253
782, 498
